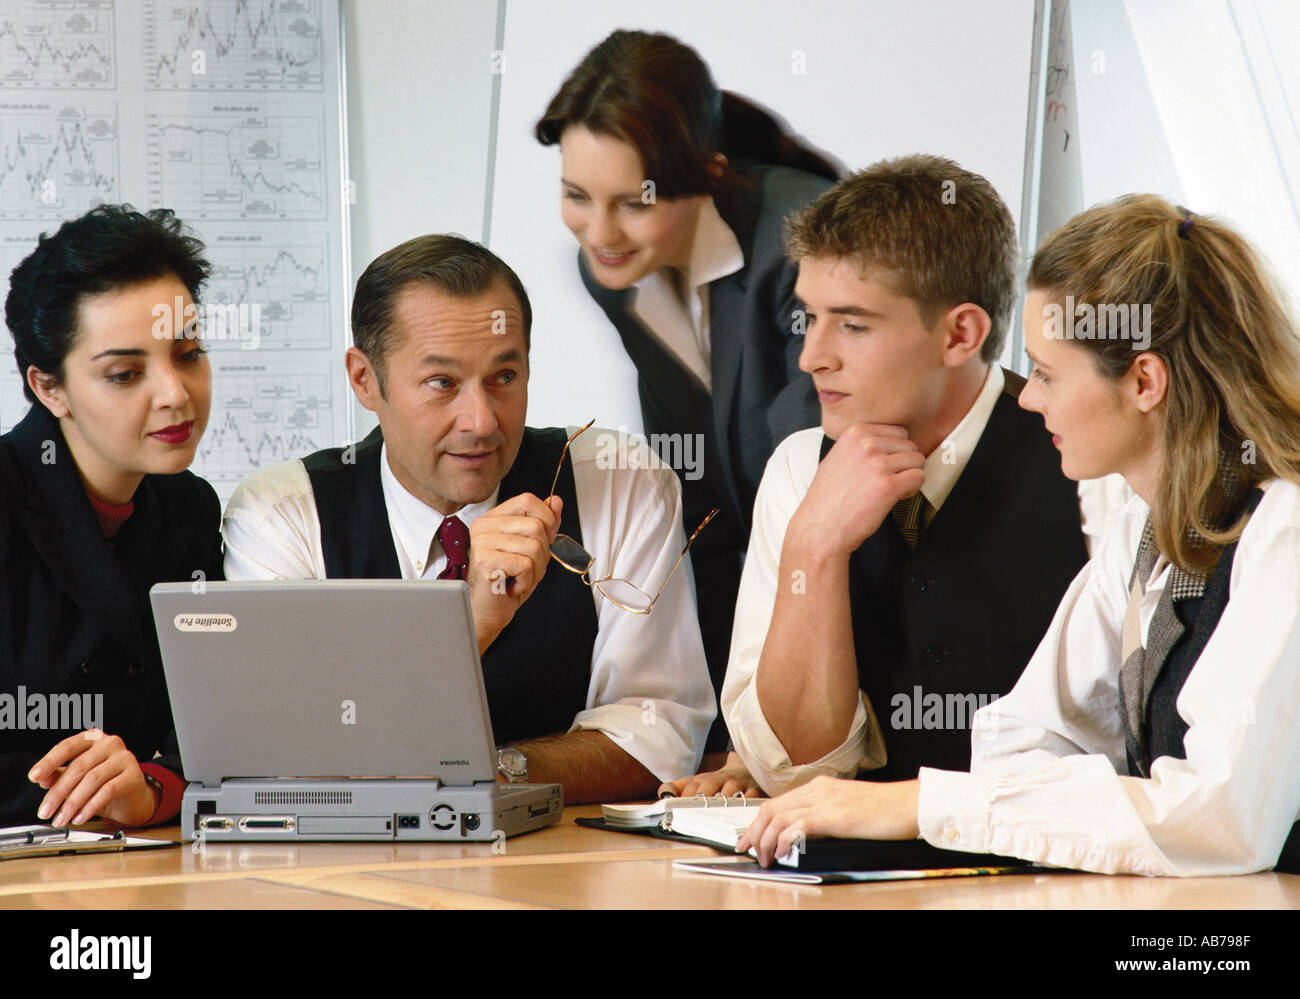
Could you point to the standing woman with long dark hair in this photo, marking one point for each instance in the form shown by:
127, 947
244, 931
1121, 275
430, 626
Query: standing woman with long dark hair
677, 194
96, 506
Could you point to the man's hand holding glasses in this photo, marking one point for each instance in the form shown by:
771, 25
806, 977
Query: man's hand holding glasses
509, 547
618, 591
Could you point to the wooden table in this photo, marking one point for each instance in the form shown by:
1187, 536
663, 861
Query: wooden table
563, 866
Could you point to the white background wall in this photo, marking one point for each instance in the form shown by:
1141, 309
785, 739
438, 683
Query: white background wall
1225, 81
1122, 140
882, 79
419, 86
1173, 97
1197, 101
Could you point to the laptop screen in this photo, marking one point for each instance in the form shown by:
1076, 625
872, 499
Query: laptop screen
334, 678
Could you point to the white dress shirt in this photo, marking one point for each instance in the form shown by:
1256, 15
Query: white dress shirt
786, 480
650, 690
683, 326
1048, 762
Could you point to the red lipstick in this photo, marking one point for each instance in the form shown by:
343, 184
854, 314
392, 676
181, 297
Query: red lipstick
177, 434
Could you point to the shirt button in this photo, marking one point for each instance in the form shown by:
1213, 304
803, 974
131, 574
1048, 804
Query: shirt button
934, 655
952, 835
918, 583
88, 667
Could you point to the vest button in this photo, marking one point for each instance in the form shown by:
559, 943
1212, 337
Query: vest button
918, 583
88, 667
934, 654
135, 669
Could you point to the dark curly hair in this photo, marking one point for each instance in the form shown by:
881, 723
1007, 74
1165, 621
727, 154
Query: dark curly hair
111, 246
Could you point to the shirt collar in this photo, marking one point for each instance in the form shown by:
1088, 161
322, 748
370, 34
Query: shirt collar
715, 251
414, 523
946, 462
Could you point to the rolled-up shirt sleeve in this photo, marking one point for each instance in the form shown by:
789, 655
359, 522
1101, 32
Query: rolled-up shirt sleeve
650, 691
271, 526
786, 480
1049, 775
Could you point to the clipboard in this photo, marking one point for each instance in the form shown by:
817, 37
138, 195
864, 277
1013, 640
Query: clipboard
48, 841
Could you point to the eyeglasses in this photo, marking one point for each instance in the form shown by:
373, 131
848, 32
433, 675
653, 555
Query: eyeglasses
578, 560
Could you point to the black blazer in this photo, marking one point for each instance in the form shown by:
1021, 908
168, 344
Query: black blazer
759, 394
74, 613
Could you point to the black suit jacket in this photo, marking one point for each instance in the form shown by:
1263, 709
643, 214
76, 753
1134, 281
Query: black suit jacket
74, 613
759, 394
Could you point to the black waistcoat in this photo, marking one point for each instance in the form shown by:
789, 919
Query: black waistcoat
1166, 728
943, 629
538, 670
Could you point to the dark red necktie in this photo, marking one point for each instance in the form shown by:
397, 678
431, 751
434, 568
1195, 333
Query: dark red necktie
453, 535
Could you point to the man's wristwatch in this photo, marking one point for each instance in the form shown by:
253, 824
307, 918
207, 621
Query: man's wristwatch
512, 765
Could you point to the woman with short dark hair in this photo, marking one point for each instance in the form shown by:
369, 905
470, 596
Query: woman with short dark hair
96, 506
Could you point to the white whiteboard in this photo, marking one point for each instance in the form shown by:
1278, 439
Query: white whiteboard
881, 79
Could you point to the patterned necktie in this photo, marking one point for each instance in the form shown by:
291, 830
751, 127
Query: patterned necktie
1140, 664
907, 517
453, 535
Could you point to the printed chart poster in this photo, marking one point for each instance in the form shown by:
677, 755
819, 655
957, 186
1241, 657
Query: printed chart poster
228, 112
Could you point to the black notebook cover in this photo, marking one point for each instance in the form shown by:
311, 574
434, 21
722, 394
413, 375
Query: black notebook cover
852, 854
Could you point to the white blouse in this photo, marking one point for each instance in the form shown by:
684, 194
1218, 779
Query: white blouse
1048, 780
683, 326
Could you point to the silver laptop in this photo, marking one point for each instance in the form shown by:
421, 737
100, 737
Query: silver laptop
335, 710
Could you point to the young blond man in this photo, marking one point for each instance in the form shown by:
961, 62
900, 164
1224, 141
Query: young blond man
908, 554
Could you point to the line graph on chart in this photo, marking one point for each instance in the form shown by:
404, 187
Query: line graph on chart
261, 416
244, 45
57, 43
56, 161
288, 284
241, 164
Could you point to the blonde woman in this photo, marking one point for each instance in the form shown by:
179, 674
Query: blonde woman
1156, 730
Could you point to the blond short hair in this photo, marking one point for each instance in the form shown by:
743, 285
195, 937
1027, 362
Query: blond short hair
942, 232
